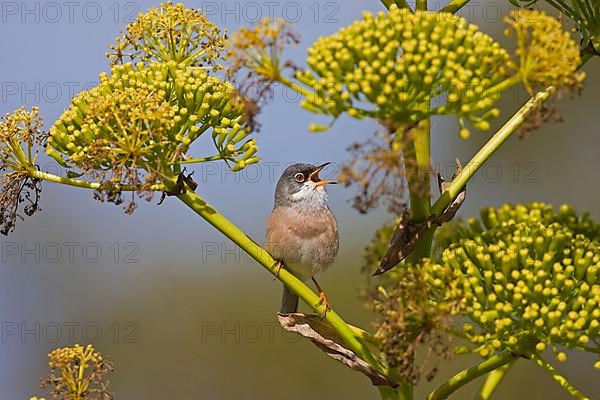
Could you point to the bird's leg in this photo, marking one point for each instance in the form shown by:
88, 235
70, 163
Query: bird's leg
277, 267
322, 299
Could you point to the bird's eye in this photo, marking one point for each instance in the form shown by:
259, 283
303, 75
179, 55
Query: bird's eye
299, 177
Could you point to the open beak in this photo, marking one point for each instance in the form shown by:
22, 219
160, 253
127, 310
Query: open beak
314, 176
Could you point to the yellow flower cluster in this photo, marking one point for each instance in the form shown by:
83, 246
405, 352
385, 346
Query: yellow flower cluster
528, 281
170, 33
526, 277
20, 129
547, 53
147, 117
536, 212
390, 66
22, 125
77, 355
585, 14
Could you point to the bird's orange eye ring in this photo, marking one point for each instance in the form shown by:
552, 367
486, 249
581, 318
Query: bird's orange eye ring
299, 177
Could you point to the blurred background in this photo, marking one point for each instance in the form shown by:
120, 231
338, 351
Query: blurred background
180, 311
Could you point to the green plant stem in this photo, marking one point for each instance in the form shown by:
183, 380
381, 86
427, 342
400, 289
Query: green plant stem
489, 148
492, 381
388, 393
561, 380
17, 150
86, 184
535, 102
355, 338
565, 9
454, 6
236, 235
421, 5
388, 3
399, 3
403, 392
402, 4
468, 375
587, 54
417, 159
202, 159
364, 335
294, 86
496, 91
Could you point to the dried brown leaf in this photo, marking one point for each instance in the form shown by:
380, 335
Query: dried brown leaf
326, 339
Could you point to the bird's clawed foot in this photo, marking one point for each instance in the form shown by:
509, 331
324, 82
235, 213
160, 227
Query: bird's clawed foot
277, 267
323, 301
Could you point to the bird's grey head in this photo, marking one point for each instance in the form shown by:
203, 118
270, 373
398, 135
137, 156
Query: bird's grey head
300, 184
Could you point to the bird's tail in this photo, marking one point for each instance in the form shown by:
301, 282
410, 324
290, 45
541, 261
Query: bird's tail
289, 301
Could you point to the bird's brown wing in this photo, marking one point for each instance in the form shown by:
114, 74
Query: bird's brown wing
278, 234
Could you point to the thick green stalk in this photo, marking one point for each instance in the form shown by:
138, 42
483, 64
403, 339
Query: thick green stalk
489, 148
535, 102
492, 381
421, 5
403, 392
454, 6
462, 378
561, 380
353, 337
236, 235
418, 162
587, 54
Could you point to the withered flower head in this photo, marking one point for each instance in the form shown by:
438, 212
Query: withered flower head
259, 49
408, 321
376, 169
21, 136
255, 58
411, 328
78, 373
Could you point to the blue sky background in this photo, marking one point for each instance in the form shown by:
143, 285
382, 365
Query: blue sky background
158, 315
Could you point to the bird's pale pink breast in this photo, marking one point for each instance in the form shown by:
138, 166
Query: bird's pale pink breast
307, 239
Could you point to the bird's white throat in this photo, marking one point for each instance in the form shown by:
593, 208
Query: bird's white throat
311, 195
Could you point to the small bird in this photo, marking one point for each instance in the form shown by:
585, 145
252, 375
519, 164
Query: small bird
302, 233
